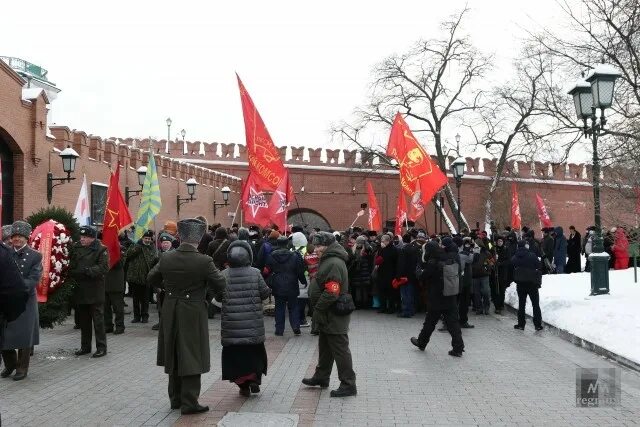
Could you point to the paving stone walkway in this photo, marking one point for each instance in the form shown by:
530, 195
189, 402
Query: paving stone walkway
506, 377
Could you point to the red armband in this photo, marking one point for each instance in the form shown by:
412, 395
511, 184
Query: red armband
265, 271
402, 281
394, 283
379, 260
332, 287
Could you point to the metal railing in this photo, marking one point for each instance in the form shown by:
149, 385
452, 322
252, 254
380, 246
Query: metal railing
25, 66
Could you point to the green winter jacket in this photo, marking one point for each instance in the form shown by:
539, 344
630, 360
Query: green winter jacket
140, 259
332, 267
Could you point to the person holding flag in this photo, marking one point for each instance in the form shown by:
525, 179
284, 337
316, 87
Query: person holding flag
116, 219
151, 202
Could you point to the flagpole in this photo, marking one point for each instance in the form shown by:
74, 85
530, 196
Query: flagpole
236, 213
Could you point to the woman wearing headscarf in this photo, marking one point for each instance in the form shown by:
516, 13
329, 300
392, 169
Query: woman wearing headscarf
244, 357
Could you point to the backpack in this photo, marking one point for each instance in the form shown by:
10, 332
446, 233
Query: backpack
451, 278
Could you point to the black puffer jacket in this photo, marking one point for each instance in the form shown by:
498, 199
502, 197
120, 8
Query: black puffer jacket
242, 319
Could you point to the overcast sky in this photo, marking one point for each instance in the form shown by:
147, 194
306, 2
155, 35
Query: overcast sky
125, 66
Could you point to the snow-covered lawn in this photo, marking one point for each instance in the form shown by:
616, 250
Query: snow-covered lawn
609, 321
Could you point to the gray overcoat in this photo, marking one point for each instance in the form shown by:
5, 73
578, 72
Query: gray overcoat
24, 332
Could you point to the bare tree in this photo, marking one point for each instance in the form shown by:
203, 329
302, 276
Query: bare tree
606, 30
432, 83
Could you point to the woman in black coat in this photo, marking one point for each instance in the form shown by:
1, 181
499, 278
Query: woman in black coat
244, 358
574, 247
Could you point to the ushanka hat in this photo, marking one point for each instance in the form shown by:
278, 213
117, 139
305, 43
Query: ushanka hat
323, 238
6, 232
88, 231
21, 228
191, 230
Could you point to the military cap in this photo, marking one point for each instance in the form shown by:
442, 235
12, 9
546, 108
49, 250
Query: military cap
88, 231
148, 233
166, 237
21, 228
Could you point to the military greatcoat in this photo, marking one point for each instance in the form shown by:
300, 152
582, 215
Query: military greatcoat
186, 275
24, 332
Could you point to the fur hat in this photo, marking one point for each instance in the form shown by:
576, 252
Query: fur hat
148, 233
323, 238
6, 232
21, 228
88, 231
221, 233
298, 239
191, 230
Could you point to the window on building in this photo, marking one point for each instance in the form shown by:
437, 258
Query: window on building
98, 202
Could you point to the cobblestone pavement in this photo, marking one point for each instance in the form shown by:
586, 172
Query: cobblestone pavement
506, 377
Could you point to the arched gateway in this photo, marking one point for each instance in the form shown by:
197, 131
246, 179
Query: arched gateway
308, 217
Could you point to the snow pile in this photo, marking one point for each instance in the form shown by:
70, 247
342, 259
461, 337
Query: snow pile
609, 321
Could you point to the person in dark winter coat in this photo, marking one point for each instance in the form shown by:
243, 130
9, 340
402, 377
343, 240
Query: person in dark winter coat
503, 273
217, 249
244, 357
439, 304
140, 259
284, 270
23, 333
329, 284
528, 277
480, 270
114, 297
360, 266
560, 251
548, 245
187, 276
408, 258
464, 297
387, 261
574, 247
88, 266
13, 292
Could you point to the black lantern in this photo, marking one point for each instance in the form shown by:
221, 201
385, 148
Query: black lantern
69, 157
128, 194
225, 199
191, 190
603, 80
582, 99
457, 168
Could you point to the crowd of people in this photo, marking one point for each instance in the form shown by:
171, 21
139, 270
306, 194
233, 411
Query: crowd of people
314, 278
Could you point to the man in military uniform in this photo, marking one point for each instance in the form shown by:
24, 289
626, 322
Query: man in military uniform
114, 297
24, 332
331, 281
141, 257
166, 241
89, 266
183, 340
13, 293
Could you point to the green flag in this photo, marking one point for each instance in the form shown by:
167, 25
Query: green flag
151, 202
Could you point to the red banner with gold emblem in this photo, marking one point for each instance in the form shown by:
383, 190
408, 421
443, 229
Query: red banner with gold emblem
416, 166
265, 163
116, 218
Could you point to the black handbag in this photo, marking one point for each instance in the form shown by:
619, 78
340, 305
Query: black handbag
344, 305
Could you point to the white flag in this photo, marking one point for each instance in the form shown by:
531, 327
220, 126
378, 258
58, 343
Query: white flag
82, 213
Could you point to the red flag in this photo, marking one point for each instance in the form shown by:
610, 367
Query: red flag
416, 205
116, 218
516, 219
254, 203
375, 218
279, 204
401, 213
545, 220
415, 163
264, 158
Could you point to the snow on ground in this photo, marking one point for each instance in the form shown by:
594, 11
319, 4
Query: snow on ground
609, 321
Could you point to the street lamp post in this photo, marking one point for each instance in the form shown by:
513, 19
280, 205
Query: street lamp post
168, 132
457, 167
596, 91
225, 200
69, 157
191, 190
128, 194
